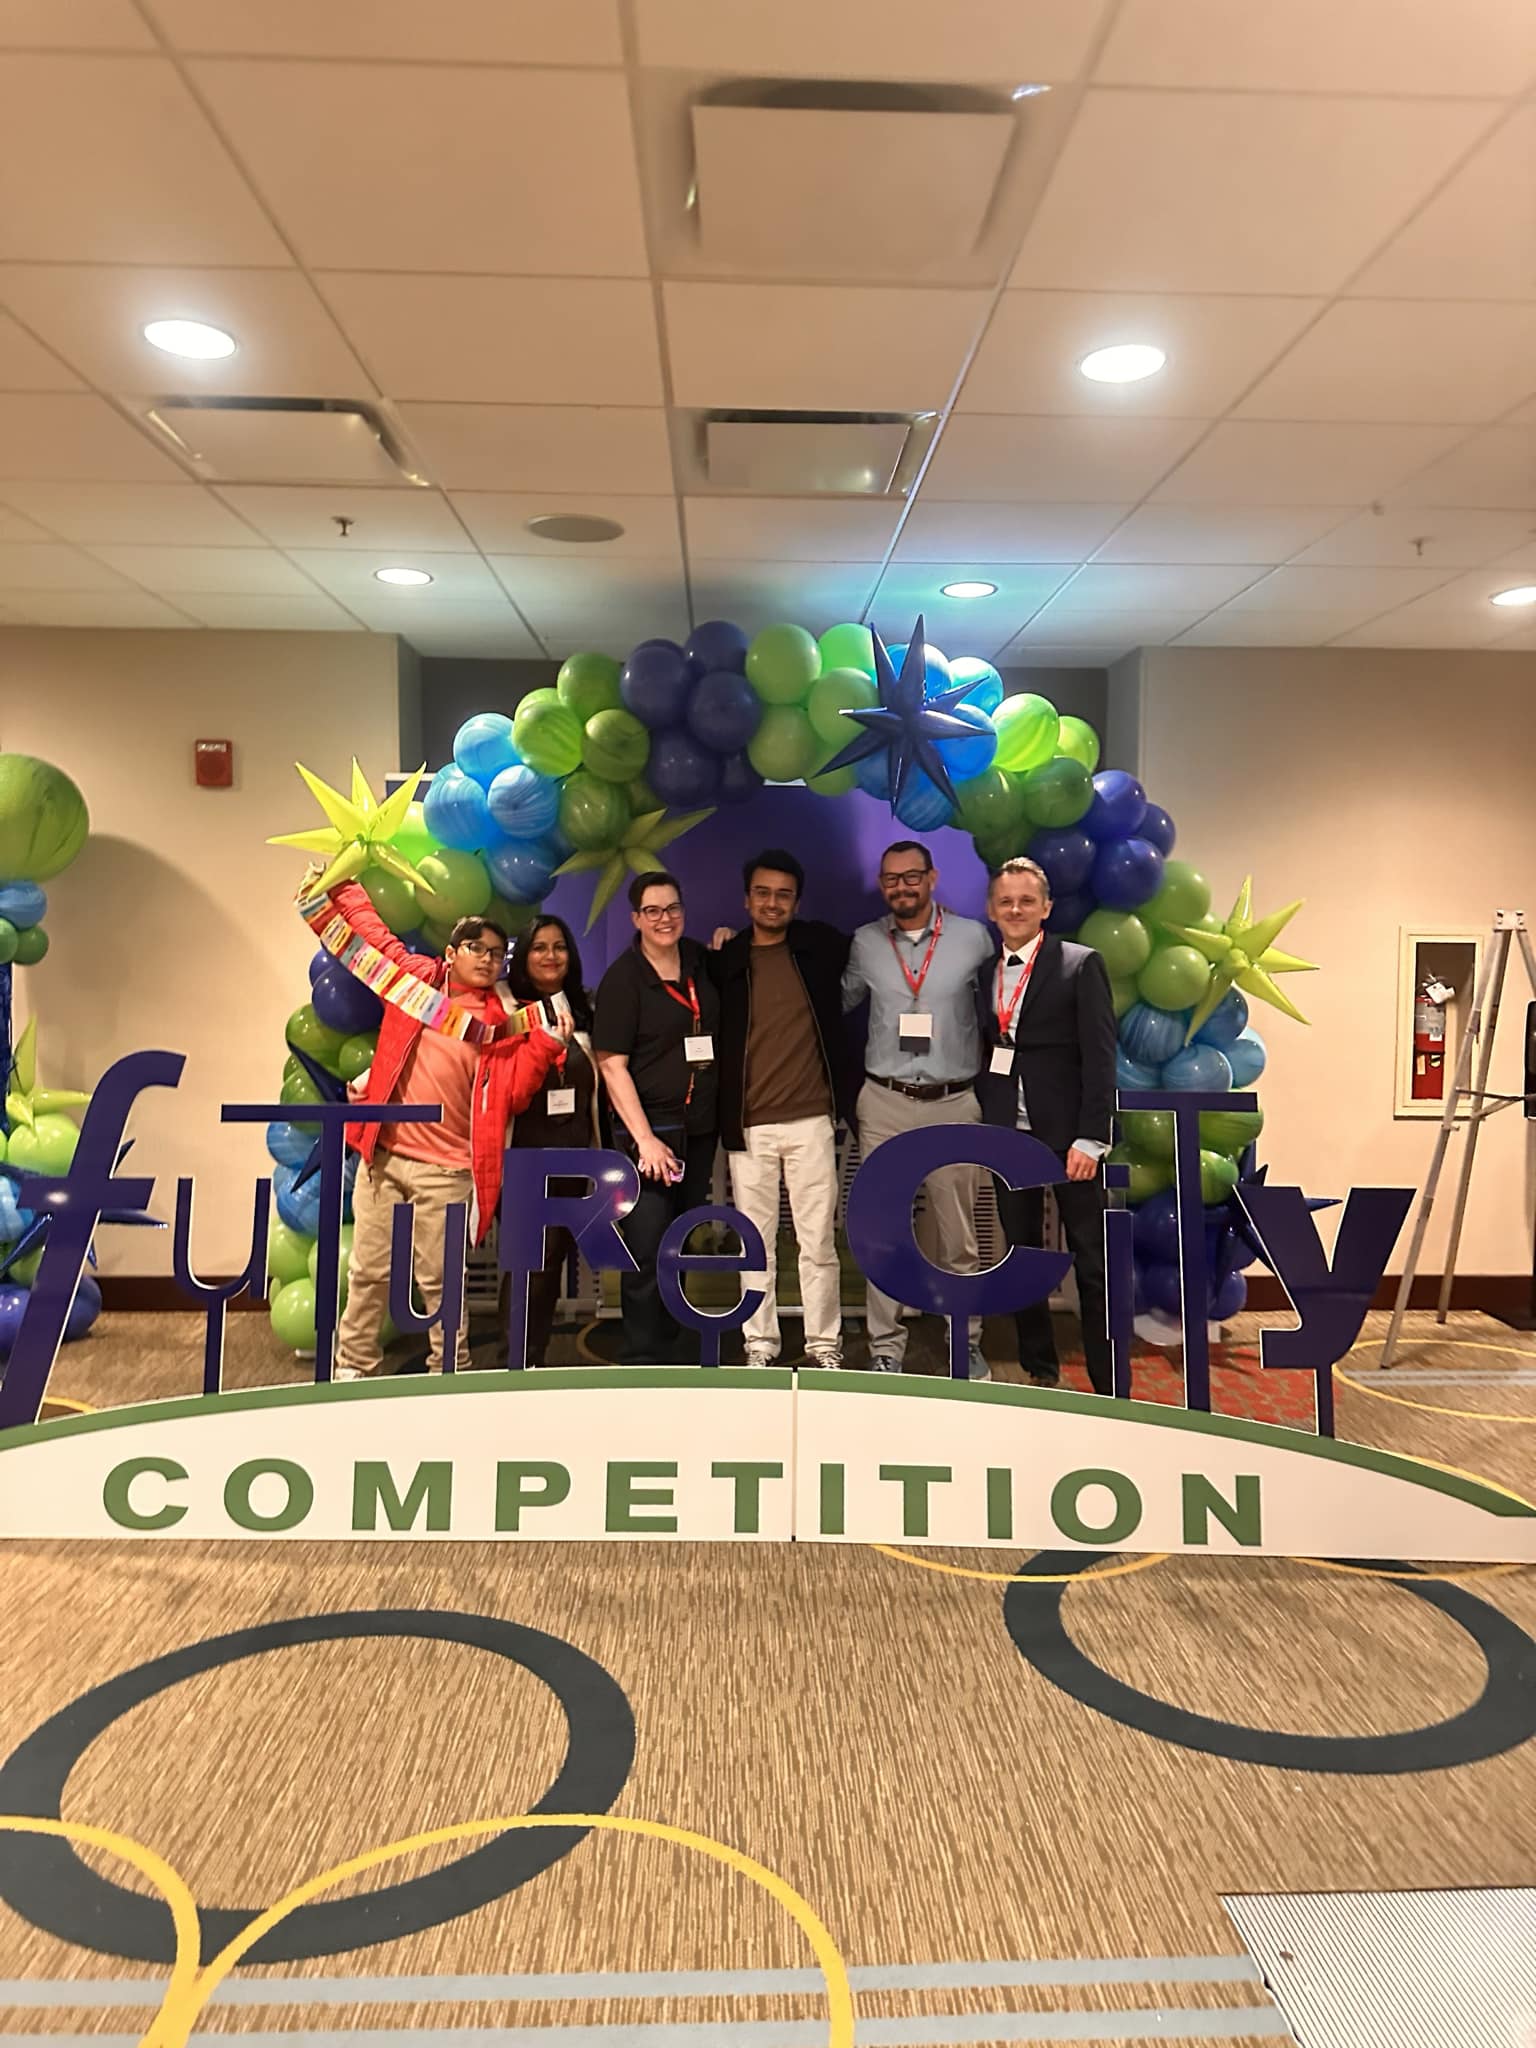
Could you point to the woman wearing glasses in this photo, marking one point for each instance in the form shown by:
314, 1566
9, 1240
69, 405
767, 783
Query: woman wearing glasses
657, 1013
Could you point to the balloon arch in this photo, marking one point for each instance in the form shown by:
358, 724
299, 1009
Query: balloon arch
602, 772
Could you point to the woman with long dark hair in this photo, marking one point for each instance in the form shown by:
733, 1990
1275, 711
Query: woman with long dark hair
544, 974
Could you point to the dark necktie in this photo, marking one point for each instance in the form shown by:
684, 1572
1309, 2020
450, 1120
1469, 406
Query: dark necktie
1015, 960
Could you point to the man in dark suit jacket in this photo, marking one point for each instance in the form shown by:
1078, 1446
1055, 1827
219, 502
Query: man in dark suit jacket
1048, 1035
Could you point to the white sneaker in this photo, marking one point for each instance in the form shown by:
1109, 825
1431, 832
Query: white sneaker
347, 1372
761, 1356
825, 1361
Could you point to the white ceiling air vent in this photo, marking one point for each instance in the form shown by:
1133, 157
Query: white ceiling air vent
845, 179
793, 454
283, 441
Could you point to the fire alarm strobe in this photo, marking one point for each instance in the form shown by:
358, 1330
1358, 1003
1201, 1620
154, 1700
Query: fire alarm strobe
214, 763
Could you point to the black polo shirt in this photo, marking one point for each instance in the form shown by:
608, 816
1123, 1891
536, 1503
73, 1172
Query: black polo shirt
637, 1016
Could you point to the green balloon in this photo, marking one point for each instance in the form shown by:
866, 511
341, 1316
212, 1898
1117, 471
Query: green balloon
356, 1056
547, 733
782, 664
1218, 1176
437, 935
784, 747
593, 813
47, 1148
615, 745
293, 1314
413, 840
43, 819
305, 1031
1057, 793
993, 848
299, 1088
453, 885
1027, 726
1174, 978
991, 802
24, 1272
1209, 923
834, 782
643, 799
1078, 741
9, 939
1123, 989
1230, 1130
392, 898
1121, 937
31, 945
835, 691
1184, 898
312, 1264
287, 1254
848, 647
1148, 1176
1149, 1132
587, 684
512, 917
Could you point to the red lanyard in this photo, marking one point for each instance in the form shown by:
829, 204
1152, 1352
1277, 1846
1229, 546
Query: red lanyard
922, 973
691, 1004
1005, 1017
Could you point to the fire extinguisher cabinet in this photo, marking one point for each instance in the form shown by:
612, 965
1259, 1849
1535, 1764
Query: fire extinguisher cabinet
1429, 1031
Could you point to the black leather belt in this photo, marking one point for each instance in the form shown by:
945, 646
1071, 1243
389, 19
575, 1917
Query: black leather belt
921, 1091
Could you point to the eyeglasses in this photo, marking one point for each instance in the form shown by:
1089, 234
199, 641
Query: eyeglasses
909, 878
658, 913
479, 952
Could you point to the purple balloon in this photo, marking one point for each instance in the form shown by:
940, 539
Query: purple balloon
654, 684
83, 1310
739, 781
1127, 873
1068, 912
1156, 1228
682, 773
1067, 858
13, 1306
717, 646
723, 712
1118, 807
523, 869
344, 1003
1157, 826
1228, 1298
1160, 1286
321, 963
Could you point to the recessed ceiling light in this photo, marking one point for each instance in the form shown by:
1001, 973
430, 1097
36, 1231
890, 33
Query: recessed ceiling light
967, 589
1028, 92
411, 576
576, 527
1124, 363
190, 338
1523, 593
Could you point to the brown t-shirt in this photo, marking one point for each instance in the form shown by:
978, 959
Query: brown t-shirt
786, 1074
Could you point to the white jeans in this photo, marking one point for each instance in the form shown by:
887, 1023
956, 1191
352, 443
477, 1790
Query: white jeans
951, 1206
806, 1153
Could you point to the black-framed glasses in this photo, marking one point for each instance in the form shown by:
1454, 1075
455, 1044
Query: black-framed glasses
478, 952
909, 878
658, 913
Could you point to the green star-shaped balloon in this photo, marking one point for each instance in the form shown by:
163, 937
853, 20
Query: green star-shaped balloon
360, 830
637, 851
25, 1102
1243, 953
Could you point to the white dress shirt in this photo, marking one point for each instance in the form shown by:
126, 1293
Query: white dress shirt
1013, 969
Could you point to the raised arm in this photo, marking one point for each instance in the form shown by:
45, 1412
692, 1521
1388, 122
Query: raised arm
355, 904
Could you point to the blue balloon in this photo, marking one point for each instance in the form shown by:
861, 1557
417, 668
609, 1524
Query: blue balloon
717, 646
13, 1218
1157, 826
937, 674
320, 963
1156, 1230
1118, 807
986, 691
523, 869
682, 773
482, 747
1067, 858
1161, 1288
1231, 1252
1150, 1036
924, 807
83, 1310
288, 1144
1131, 1073
13, 1306
344, 1003
873, 774
723, 712
1246, 1056
22, 904
455, 811
1127, 873
1067, 912
523, 804
299, 1208
1228, 1297
739, 780
966, 759
1198, 1067
1226, 1022
654, 684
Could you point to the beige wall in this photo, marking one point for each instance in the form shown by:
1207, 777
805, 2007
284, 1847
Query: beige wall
1389, 789
174, 928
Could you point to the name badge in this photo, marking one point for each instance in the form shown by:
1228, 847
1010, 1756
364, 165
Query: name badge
915, 1028
562, 1101
1002, 1059
699, 1050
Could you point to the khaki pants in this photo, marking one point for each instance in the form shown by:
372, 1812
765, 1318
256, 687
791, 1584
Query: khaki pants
805, 1151
951, 1208
376, 1193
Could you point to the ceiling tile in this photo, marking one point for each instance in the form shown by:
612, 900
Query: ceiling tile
1191, 533
1385, 359
25, 365
1151, 587
612, 628
498, 521
305, 516
963, 625
1059, 626
81, 25
1243, 462
1346, 594
289, 347
107, 608
937, 532
407, 167
538, 340
985, 455
1496, 468
823, 347
1215, 347
1371, 46
485, 632
74, 439
1438, 537
111, 160
542, 447
168, 571
1523, 415
1517, 643
1524, 556
175, 515
791, 529
758, 594
1476, 239
448, 32
279, 612
1023, 659
1230, 628
906, 39
1458, 614
561, 600
14, 527
51, 566
1235, 192
456, 579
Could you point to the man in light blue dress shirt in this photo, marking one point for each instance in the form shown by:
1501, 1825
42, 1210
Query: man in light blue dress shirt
918, 968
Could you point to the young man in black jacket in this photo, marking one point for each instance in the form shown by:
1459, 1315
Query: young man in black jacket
784, 1083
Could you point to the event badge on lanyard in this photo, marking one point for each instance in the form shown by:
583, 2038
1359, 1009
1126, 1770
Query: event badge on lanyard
1002, 1055
914, 1030
698, 1046
560, 1101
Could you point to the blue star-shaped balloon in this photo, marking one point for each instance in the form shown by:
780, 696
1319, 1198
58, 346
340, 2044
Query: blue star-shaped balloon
36, 1226
332, 1089
906, 723
1240, 1228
